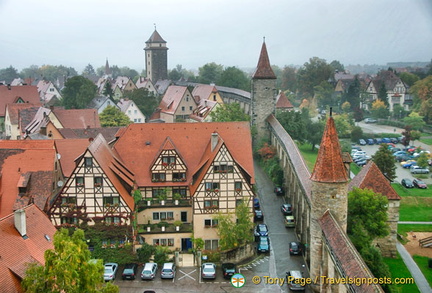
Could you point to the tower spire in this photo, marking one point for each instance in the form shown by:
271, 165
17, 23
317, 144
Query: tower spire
264, 70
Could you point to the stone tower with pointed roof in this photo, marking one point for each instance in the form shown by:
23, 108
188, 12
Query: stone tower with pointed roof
263, 94
329, 192
156, 58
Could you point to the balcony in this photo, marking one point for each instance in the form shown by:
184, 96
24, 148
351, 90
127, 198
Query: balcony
169, 228
156, 203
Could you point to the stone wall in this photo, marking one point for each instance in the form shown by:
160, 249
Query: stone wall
238, 254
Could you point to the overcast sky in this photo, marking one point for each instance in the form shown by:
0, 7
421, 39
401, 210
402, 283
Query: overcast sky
228, 32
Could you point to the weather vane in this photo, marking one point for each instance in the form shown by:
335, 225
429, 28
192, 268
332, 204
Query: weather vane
154, 25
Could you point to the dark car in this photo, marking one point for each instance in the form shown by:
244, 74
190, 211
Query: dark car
278, 190
130, 271
370, 141
258, 215
295, 248
263, 245
286, 209
378, 141
261, 230
256, 203
386, 140
419, 184
394, 140
407, 183
228, 270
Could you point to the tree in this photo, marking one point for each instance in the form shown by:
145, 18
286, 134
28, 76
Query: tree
346, 107
289, 81
414, 120
337, 66
234, 78
8, 74
314, 133
161, 255
295, 123
67, 268
30, 72
409, 78
311, 74
343, 124
382, 94
210, 73
52, 73
128, 72
379, 109
78, 92
324, 94
144, 100
229, 112
398, 112
353, 94
107, 90
356, 133
112, 116
422, 92
422, 160
179, 72
88, 71
385, 161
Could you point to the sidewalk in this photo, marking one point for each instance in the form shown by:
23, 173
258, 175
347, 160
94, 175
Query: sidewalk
416, 273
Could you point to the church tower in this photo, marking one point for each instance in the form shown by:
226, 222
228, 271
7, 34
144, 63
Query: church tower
263, 94
156, 58
329, 192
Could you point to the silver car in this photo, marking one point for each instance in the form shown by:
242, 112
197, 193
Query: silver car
149, 271
208, 270
168, 270
110, 271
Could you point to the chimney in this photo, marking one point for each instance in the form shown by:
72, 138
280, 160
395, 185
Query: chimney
20, 222
9, 86
214, 140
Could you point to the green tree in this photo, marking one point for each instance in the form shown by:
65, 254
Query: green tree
145, 100
78, 92
379, 109
382, 94
398, 112
356, 133
422, 160
409, 78
353, 94
107, 90
414, 120
422, 92
344, 125
210, 73
289, 81
295, 123
67, 268
311, 74
372, 256
229, 112
415, 135
314, 133
8, 74
145, 252
161, 255
88, 71
324, 95
128, 72
346, 107
52, 73
234, 78
385, 161
30, 72
112, 116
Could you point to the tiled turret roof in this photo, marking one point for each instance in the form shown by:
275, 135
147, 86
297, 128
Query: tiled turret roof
264, 70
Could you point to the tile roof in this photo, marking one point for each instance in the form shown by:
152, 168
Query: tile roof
155, 38
264, 70
329, 166
346, 258
77, 118
70, 150
39, 190
108, 133
203, 91
124, 104
8, 95
16, 252
21, 157
282, 102
172, 98
371, 177
191, 141
16, 110
161, 85
203, 110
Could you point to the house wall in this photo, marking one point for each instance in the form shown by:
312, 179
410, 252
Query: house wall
134, 114
185, 107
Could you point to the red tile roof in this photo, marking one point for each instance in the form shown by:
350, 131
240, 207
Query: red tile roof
203, 91
70, 150
141, 143
155, 38
282, 102
329, 166
371, 177
16, 252
77, 118
172, 98
264, 70
90, 133
347, 259
27, 93
16, 109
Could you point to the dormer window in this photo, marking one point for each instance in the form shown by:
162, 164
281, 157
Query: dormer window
168, 160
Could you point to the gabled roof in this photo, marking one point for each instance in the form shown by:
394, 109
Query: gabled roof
109, 133
140, 143
124, 104
282, 102
172, 98
113, 167
20, 157
99, 101
203, 110
348, 261
371, 177
329, 166
264, 70
162, 85
143, 82
203, 91
16, 251
69, 150
155, 38
77, 118
10, 94
17, 112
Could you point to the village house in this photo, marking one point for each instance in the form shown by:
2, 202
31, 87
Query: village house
131, 110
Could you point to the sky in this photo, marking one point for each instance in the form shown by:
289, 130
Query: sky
227, 32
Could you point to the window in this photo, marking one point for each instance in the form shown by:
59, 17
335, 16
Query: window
110, 220
190, 108
88, 162
163, 216
79, 181
168, 160
210, 223
187, 98
156, 192
135, 111
164, 242
224, 168
214, 97
212, 186
139, 120
211, 244
158, 177
183, 108
179, 176
129, 112
181, 191
69, 200
69, 220
211, 204
97, 181
238, 186
110, 200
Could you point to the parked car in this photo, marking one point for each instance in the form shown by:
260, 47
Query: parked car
370, 141
419, 184
370, 120
286, 209
394, 140
289, 221
110, 270
168, 270
408, 164
278, 190
361, 163
407, 183
386, 140
399, 153
149, 271
258, 215
362, 141
263, 245
261, 230
402, 158
208, 270
378, 141
130, 271
358, 153
418, 170
295, 248
395, 150
228, 270
256, 203
355, 148
294, 281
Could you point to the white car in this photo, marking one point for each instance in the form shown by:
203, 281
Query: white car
110, 271
208, 270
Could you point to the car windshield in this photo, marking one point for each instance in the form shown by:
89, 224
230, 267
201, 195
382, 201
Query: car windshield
263, 228
166, 271
108, 270
147, 272
128, 271
208, 270
294, 245
263, 242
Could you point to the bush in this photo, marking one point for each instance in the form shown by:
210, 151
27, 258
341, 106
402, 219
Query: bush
161, 255
145, 252
430, 263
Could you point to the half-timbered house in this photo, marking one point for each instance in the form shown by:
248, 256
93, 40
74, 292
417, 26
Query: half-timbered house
99, 189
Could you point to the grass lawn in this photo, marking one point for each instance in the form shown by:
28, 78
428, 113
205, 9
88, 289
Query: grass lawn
403, 229
399, 270
427, 141
308, 155
422, 262
413, 208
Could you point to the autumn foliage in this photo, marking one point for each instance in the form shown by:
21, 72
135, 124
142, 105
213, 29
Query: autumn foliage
267, 151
